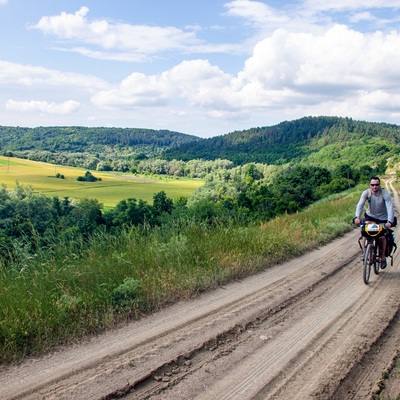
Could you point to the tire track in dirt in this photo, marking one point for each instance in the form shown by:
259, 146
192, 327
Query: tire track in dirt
315, 347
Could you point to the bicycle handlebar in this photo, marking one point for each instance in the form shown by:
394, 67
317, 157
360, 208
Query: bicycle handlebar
362, 223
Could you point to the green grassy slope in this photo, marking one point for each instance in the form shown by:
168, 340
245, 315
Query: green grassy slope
109, 191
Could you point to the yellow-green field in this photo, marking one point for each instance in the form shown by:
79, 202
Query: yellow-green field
113, 187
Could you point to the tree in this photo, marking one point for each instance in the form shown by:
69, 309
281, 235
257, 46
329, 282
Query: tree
162, 204
128, 212
87, 216
381, 167
252, 174
88, 177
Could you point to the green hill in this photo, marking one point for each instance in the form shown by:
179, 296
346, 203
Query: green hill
80, 139
324, 141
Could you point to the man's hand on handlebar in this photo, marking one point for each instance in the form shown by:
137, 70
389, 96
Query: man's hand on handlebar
357, 221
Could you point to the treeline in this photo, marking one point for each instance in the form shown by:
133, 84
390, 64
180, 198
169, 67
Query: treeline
82, 139
320, 141
103, 149
28, 221
136, 164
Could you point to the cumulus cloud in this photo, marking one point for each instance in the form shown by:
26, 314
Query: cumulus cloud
341, 57
140, 39
32, 106
197, 82
301, 71
297, 62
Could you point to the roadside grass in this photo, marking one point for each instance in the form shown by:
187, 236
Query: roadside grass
112, 188
69, 291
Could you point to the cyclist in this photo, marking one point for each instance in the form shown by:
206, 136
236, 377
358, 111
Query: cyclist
380, 210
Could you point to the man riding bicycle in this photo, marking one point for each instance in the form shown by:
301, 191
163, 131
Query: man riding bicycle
380, 210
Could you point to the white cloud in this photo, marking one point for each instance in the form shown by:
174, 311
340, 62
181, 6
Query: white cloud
312, 15
2, 2
32, 106
361, 16
121, 56
28, 75
141, 39
256, 12
290, 70
113, 40
197, 82
338, 61
328, 5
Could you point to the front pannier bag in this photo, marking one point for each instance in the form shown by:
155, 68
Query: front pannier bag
372, 230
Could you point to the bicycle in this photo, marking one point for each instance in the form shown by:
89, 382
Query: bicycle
371, 232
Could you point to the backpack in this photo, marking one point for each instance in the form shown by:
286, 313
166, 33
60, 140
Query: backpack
369, 192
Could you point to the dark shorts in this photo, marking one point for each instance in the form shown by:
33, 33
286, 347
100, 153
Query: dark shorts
378, 221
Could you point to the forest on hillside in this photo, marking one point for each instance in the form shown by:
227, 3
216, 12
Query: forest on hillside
314, 140
79, 139
318, 141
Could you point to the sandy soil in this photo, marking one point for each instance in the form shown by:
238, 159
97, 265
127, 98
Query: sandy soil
306, 329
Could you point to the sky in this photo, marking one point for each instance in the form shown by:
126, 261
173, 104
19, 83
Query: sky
204, 68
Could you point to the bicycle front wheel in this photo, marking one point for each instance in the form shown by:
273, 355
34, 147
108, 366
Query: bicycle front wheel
368, 261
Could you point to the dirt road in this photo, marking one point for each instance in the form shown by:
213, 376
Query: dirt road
306, 329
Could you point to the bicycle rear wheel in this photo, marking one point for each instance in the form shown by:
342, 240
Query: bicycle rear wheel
368, 260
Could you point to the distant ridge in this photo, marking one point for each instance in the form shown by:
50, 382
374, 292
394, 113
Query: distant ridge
318, 140
324, 141
88, 139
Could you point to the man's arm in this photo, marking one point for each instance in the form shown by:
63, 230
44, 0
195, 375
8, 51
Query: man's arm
389, 206
360, 206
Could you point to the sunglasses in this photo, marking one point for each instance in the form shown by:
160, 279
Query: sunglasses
375, 184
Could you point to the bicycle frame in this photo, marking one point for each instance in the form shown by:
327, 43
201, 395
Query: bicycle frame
372, 256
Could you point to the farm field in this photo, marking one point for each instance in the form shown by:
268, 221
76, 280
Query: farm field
112, 188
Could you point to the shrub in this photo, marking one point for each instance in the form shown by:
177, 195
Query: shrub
88, 177
127, 295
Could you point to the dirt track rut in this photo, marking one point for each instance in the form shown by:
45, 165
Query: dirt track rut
306, 329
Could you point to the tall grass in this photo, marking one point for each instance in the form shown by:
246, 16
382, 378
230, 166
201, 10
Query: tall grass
65, 292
